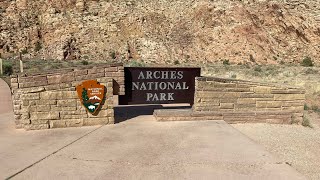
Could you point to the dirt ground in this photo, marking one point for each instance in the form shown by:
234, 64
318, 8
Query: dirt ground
295, 145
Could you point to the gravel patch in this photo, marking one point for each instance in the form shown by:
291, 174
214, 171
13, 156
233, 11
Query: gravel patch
295, 145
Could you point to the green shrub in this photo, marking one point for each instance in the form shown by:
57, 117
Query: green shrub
258, 69
315, 108
226, 62
307, 62
7, 68
135, 63
306, 107
38, 47
252, 58
311, 71
113, 55
282, 62
247, 65
176, 62
85, 57
25, 51
306, 122
84, 62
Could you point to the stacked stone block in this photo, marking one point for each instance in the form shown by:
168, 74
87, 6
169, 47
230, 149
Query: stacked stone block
50, 100
257, 102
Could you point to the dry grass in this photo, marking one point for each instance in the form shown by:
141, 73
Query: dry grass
38, 66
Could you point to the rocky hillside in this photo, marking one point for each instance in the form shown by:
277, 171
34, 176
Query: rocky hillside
162, 31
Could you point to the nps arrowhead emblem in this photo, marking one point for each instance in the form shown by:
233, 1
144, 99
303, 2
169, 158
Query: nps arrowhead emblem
91, 94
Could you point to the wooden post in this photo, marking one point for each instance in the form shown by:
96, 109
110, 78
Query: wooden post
1, 64
21, 63
1, 69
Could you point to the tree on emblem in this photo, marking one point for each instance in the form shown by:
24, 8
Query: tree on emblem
85, 95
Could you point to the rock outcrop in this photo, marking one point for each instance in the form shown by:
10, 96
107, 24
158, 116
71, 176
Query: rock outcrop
162, 31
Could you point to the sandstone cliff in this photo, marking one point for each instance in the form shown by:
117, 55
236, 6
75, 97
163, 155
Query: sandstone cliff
162, 31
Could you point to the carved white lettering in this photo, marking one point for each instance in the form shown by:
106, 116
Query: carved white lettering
173, 74
141, 76
171, 85
150, 85
180, 74
155, 97
170, 96
149, 96
163, 86
185, 87
156, 85
160, 97
143, 87
178, 86
157, 75
135, 85
149, 75
165, 75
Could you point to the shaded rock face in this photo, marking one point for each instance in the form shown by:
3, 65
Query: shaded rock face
162, 31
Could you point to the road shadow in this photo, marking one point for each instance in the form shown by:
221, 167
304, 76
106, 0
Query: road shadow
124, 113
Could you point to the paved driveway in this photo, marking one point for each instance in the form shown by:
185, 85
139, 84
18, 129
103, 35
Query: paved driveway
139, 148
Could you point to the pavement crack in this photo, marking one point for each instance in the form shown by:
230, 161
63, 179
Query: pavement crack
24, 169
91, 160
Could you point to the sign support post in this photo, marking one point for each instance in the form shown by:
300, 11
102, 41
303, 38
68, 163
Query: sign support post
21, 63
1, 69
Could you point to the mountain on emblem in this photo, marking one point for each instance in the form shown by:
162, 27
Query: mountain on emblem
91, 94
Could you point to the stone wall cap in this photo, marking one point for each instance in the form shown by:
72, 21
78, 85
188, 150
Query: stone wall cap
229, 80
71, 69
171, 67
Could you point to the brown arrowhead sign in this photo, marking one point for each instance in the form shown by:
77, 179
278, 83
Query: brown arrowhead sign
91, 94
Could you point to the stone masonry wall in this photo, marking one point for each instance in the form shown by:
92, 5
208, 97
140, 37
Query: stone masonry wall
275, 104
50, 100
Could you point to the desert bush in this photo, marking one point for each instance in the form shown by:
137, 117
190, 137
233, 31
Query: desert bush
315, 108
252, 58
306, 107
176, 62
225, 62
233, 76
85, 57
135, 63
306, 122
307, 62
38, 46
311, 71
246, 65
258, 69
24, 51
84, 62
113, 55
7, 68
